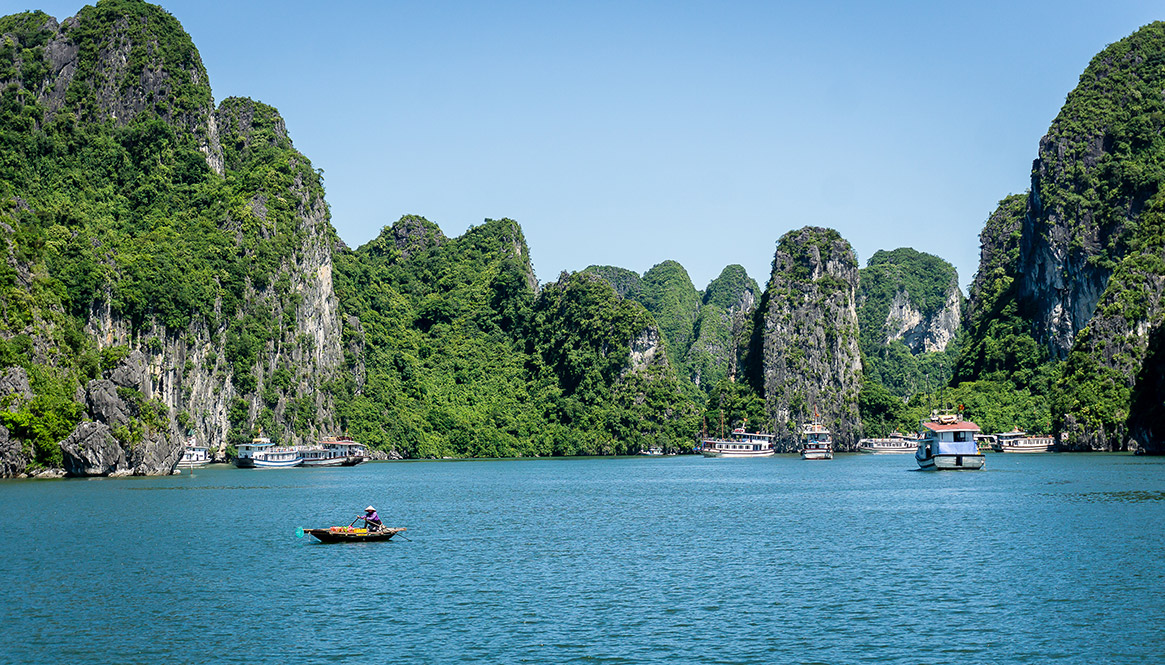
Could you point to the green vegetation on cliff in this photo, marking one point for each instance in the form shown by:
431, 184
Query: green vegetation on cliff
463, 360
897, 284
107, 200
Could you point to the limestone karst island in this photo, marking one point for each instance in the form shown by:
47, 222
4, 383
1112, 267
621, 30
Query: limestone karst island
171, 280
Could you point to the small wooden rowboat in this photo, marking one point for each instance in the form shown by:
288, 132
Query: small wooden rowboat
347, 534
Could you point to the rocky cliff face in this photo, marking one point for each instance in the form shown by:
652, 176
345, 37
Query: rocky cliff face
117, 59
812, 363
204, 397
1147, 416
912, 297
1083, 286
253, 344
919, 332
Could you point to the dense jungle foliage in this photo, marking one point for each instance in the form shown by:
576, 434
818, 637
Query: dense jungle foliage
463, 360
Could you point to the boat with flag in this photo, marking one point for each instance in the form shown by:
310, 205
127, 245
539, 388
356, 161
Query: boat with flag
948, 443
816, 441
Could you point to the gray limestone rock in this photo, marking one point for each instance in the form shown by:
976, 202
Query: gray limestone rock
812, 363
92, 450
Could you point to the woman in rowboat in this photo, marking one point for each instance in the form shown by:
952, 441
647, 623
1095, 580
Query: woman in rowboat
371, 520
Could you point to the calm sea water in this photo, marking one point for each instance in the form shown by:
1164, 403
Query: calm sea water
634, 560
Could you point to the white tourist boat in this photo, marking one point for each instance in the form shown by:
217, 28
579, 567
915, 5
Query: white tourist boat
194, 455
334, 451
985, 442
948, 443
816, 442
740, 444
895, 444
260, 453
352, 451
1017, 441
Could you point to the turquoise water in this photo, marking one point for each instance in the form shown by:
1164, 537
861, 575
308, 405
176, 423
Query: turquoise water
633, 560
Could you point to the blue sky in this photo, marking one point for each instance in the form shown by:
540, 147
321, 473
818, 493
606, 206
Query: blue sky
629, 133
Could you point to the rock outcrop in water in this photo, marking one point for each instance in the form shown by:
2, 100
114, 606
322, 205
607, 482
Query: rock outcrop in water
812, 363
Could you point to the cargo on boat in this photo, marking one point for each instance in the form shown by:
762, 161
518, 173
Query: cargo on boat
348, 534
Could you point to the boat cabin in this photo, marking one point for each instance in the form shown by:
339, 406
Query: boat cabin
948, 435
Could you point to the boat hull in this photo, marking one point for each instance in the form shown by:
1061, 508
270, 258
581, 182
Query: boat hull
252, 463
345, 535
737, 453
870, 450
331, 461
816, 454
967, 462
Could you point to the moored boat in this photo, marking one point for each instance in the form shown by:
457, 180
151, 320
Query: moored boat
1017, 441
895, 444
334, 451
194, 455
816, 442
352, 451
348, 534
260, 453
948, 443
741, 444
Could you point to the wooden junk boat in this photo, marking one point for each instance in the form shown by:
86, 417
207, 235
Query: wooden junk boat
348, 534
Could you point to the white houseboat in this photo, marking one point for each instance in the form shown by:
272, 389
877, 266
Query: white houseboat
895, 444
948, 443
334, 451
194, 455
260, 453
740, 444
1017, 441
816, 443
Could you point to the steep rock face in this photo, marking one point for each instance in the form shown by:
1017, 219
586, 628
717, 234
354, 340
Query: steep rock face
998, 342
1102, 396
921, 333
14, 393
1147, 419
912, 297
812, 363
211, 297
92, 450
277, 386
1084, 193
723, 327
1083, 283
116, 59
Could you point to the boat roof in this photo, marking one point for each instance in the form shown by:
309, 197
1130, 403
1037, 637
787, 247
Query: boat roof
961, 425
